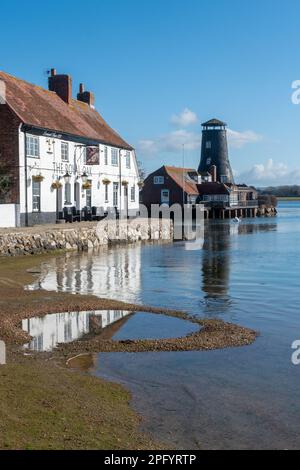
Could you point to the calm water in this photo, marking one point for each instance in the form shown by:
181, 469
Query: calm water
61, 328
248, 274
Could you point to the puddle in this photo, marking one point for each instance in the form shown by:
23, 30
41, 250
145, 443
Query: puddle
154, 326
50, 331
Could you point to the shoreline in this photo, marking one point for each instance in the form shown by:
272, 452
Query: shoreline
17, 304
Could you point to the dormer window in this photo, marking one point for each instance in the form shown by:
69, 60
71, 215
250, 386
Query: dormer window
208, 144
158, 180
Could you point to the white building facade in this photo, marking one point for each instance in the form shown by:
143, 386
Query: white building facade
56, 174
71, 164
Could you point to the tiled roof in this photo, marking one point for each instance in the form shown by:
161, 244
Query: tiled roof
182, 178
213, 188
44, 109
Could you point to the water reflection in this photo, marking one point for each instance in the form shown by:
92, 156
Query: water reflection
113, 273
216, 260
51, 330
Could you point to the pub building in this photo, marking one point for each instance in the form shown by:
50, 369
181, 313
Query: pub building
59, 159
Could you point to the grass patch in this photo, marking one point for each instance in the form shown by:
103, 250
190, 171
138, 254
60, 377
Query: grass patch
43, 406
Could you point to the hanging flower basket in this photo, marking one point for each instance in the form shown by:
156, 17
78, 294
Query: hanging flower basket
38, 178
140, 184
56, 185
125, 183
87, 185
106, 181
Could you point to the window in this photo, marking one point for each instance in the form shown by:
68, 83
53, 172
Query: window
128, 162
36, 196
65, 151
106, 192
105, 156
68, 193
132, 193
224, 179
208, 144
32, 146
159, 180
114, 157
89, 197
165, 196
115, 194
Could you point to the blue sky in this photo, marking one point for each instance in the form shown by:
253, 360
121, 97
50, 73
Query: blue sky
161, 67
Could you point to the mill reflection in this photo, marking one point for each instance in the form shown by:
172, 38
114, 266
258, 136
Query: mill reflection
114, 274
49, 331
216, 262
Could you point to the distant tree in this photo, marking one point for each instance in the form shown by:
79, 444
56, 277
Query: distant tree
281, 191
267, 200
142, 172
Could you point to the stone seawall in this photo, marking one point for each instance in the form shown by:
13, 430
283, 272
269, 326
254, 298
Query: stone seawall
266, 211
83, 236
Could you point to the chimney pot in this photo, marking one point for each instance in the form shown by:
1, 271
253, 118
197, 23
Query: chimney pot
53, 72
81, 88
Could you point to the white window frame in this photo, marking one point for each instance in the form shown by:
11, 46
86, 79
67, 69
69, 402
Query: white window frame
114, 157
36, 184
32, 146
64, 145
163, 198
128, 160
106, 155
68, 194
106, 197
115, 194
159, 180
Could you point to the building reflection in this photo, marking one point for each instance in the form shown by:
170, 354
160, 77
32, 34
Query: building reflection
114, 274
49, 331
216, 262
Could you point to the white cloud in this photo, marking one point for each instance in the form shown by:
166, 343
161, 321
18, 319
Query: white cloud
185, 119
171, 142
239, 139
270, 174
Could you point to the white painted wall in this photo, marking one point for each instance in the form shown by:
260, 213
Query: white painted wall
9, 215
51, 166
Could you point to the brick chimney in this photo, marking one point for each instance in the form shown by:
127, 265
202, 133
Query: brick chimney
61, 85
86, 96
